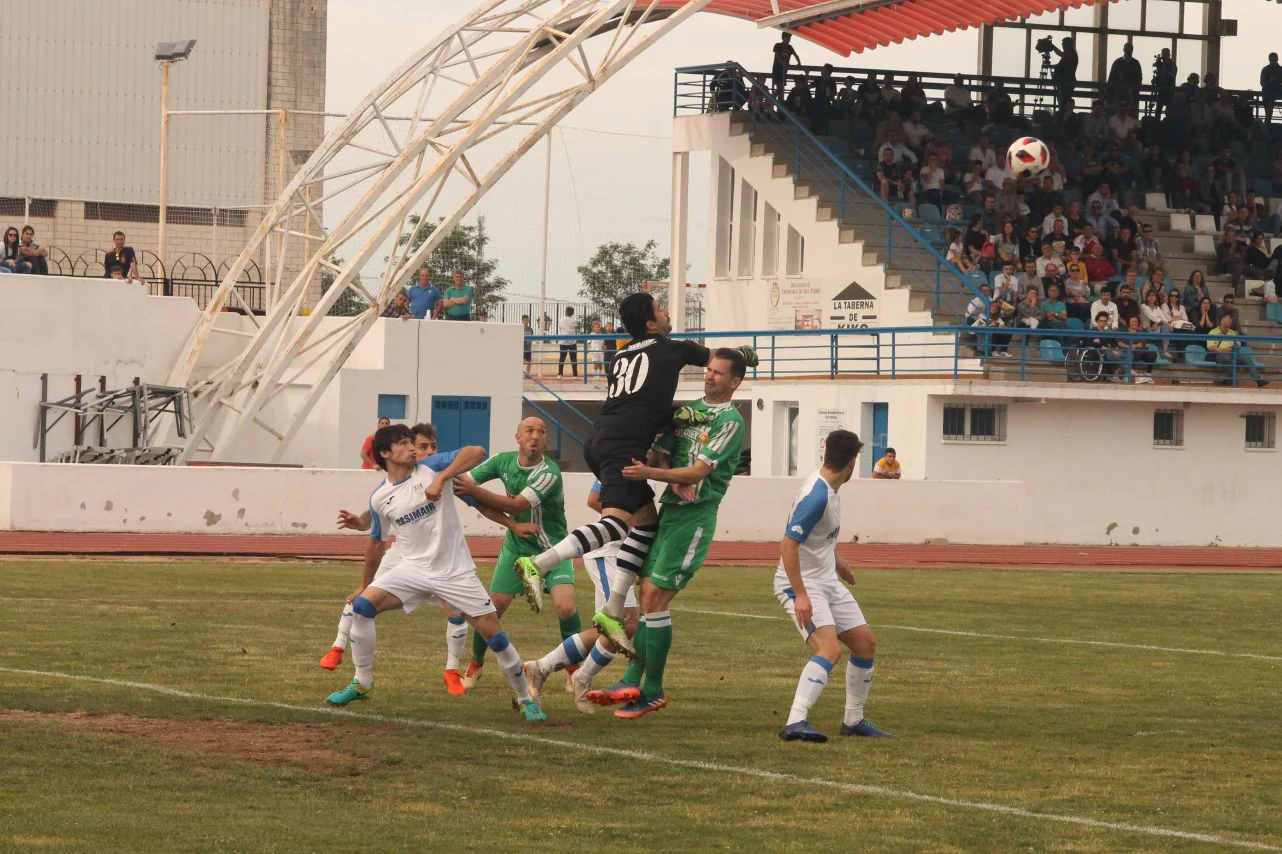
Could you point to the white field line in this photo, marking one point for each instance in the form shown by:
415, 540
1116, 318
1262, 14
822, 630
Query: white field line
956, 633
692, 764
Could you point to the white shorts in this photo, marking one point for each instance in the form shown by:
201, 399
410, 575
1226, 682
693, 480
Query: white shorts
599, 564
831, 604
413, 585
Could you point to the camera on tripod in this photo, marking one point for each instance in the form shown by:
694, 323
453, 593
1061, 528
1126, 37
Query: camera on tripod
1045, 45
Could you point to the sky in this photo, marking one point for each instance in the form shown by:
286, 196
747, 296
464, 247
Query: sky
611, 174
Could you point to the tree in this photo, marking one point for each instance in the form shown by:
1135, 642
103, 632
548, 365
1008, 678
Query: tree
350, 303
619, 269
462, 249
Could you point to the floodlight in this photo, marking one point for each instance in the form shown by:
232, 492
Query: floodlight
174, 51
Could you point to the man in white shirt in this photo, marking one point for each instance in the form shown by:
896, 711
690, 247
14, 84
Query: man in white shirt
566, 326
977, 309
1121, 128
1106, 305
1104, 195
996, 177
984, 153
417, 502
1047, 260
957, 100
1056, 215
916, 131
1004, 284
808, 584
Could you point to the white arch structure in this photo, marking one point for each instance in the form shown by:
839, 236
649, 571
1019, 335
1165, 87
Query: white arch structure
496, 82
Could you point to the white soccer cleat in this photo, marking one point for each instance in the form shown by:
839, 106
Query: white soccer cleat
534, 675
582, 685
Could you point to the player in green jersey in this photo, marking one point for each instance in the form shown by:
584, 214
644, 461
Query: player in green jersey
703, 455
533, 493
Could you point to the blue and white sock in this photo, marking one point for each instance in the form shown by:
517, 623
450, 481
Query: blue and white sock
814, 677
363, 643
455, 640
568, 653
858, 684
510, 663
344, 627
597, 660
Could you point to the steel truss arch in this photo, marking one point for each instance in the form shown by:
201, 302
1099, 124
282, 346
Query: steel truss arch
494, 84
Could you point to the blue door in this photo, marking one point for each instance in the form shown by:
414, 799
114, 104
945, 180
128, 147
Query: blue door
880, 430
461, 421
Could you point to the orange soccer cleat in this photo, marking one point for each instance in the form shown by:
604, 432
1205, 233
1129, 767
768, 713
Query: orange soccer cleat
454, 683
333, 658
619, 692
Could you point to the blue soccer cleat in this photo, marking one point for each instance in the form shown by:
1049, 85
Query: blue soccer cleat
350, 694
864, 728
642, 706
531, 711
802, 731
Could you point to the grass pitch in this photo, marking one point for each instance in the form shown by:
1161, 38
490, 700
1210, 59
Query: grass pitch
1162, 734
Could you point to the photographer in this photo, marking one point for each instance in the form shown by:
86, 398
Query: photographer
1065, 71
1164, 78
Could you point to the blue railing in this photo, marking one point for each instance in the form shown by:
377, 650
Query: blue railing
557, 420
906, 252
957, 352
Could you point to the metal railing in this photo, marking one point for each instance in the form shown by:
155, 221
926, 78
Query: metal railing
905, 251
558, 420
958, 352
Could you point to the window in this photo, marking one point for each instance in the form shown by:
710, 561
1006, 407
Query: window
1260, 429
392, 406
43, 208
1168, 428
795, 263
725, 218
747, 229
967, 423
770, 243
114, 212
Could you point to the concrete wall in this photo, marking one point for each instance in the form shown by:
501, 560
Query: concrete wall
1114, 510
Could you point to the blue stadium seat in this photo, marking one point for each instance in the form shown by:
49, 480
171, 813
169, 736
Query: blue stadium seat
1195, 354
1075, 323
1160, 363
1273, 312
1051, 350
929, 213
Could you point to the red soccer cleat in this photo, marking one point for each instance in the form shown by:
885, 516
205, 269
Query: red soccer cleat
619, 692
641, 707
333, 658
454, 683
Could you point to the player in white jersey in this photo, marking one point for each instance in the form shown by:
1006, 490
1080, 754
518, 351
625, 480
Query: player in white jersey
455, 626
417, 501
808, 584
589, 651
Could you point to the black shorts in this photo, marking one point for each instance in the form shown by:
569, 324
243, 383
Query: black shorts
607, 456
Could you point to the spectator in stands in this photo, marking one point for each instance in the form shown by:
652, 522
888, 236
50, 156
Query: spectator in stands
1076, 219
611, 346
1154, 285
10, 255
1127, 305
1185, 193
984, 153
1270, 86
483, 316
1094, 129
1056, 216
889, 94
1111, 358
1105, 306
595, 362
1176, 318
1001, 315
1269, 222
1148, 249
1130, 219
1123, 251
1098, 268
784, 55
1153, 171
890, 177
1028, 313
1127, 76
1229, 177
891, 137
1230, 256
1260, 261
1064, 74
1054, 310
886, 468
1108, 204
1142, 358
1059, 240
1224, 351
938, 146
1048, 260
123, 255
367, 449
998, 104
913, 96
932, 181
1073, 263
1228, 308
527, 345
1010, 205
1153, 317
1122, 130
958, 104
457, 300
916, 132
423, 295
1078, 294
977, 308
1004, 284
566, 327
1205, 317
33, 253
975, 240
957, 255
1028, 281
1195, 291
115, 272
399, 307
995, 177
973, 183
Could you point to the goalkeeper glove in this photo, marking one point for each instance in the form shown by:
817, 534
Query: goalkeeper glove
684, 416
749, 355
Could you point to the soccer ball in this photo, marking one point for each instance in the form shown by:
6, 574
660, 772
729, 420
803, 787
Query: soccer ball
1027, 157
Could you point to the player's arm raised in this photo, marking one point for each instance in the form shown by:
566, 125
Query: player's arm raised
451, 465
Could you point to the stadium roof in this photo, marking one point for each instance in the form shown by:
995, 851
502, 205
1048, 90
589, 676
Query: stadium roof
853, 26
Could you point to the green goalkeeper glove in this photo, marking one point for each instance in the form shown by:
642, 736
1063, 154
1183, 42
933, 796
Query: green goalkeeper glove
749, 356
684, 416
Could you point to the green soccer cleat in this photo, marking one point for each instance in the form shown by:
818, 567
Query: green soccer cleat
531, 711
532, 581
613, 630
350, 694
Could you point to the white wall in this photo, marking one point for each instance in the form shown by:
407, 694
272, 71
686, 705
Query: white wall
1113, 510
84, 74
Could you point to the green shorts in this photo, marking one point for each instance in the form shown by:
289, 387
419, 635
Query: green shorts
681, 545
506, 581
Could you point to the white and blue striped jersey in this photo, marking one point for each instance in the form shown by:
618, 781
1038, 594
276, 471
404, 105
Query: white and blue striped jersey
429, 533
815, 523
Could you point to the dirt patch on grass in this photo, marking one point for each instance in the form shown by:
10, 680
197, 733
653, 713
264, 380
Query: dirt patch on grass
263, 742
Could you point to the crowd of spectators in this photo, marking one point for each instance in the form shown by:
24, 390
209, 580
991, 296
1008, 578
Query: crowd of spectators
423, 300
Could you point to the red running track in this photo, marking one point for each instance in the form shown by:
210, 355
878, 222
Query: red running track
937, 556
